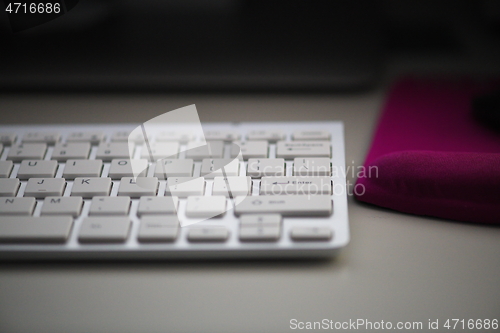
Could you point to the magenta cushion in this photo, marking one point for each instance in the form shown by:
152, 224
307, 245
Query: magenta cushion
431, 156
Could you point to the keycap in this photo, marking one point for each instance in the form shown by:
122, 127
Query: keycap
46, 229
292, 149
1, 148
37, 169
311, 233
66, 151
62, 206
136, 187
311, 167
5, 168
89, 187
156, 151
268, 135
82, 168
113, 150
216, 167
185, 186
109, 206
258, 167
157, 205
27, 151
222, 135
250, 149
260, 220
260, 233
158, 228
295, 185
121, 136
182, 137
44, 187
213, 149
107, 229
201, 206
238, 186
16, 206
92, 137
293, 205
208, 234
9, 187
125, 168
174, 168
7, 138
311, 135
49, 138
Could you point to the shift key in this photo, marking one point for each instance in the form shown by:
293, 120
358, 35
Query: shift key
294, 205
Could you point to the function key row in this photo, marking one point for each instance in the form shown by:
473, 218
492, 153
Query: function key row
96, 137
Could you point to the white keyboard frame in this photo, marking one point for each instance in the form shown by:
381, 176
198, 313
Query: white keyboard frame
182, 248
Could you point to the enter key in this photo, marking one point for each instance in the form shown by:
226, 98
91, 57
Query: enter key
295, 185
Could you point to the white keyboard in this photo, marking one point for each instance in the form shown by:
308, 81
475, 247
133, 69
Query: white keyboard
72, 191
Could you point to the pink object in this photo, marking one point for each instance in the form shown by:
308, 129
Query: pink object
432, 157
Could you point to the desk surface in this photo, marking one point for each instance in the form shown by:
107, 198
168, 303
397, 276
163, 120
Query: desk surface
397, 267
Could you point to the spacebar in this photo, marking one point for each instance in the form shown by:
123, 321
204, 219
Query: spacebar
53, 229
296, 205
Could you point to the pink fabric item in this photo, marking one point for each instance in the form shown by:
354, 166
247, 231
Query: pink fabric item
431, 156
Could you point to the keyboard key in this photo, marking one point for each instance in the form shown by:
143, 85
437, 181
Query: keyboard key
311, 234
37, 169
110, 206
53, 229
181, 137
271, 136
16, 206
258, 167
44, 187
260, 234
155, 228
49, 138
9, 187
293, 205
104, 229
92, 137
208, 234
114, 150
292, 149
311, 135
227, 136
238, 186
174, 168
250, 149
185, 186
7, 138
137, 187
213, 149
121, 136
82, 168
216, 167
66, 151
62, 206
89, 187
5, 168
125, 168
200, 206
157, 205
27, 151
295, 185
312, 167
160, 150
260, 220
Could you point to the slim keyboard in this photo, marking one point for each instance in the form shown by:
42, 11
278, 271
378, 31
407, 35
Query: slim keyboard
244, 190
